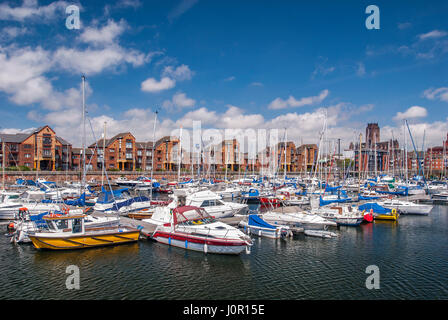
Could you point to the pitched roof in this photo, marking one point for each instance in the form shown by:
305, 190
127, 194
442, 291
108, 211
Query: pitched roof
63, 142
14, 138
144, 145
111, 140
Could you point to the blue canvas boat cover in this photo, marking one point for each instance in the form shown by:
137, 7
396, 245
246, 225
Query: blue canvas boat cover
256, 221
375, 206
108, 196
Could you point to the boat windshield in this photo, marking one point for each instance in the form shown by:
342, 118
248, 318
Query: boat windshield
191, 214
198, 222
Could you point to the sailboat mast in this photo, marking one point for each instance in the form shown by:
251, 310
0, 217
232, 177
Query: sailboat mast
359, 160
286, 139
179, 155
104, 153
153, 145
83, 182
3, 164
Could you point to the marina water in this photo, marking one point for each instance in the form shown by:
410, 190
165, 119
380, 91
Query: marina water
411, 255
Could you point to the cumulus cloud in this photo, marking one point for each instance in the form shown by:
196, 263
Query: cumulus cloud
279, 103
179, 101
152, 85
103, 35
413, 112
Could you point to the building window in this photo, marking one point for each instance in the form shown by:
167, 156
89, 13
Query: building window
139, 152
46, 153
111, 158
128, 155
148, 153
27, 155
111, 150
27, 146
128, 144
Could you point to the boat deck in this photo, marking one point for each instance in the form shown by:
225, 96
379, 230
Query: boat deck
148, 228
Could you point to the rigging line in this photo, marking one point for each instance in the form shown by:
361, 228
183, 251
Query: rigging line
105, 171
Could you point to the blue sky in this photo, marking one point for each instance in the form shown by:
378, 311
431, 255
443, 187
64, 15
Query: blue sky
229, 64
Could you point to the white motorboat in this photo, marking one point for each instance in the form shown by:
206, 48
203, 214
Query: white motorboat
342, 215
12, 202
194, 229
406, 207
295, 217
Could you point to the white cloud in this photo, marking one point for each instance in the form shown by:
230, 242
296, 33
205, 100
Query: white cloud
256, 84
92, 61
231, 78
105, 35
152, 85
31, 10
432, 35
180, 73
279, 103
179, 101
440, 94
413, 112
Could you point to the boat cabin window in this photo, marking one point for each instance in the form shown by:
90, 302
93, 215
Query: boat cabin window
206, 203
76, 226
61, 224
51, 225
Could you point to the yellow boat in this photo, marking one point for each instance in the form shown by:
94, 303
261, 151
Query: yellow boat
69, 232
393, 216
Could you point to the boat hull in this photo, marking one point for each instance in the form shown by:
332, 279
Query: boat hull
392, 217
200, 244
83, 241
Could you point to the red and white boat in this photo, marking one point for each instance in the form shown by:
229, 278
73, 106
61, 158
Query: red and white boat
193, 228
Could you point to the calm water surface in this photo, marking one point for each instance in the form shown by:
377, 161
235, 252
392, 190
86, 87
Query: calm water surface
412, 256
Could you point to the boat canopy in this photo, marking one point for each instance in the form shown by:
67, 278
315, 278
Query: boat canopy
189, 213
25, 182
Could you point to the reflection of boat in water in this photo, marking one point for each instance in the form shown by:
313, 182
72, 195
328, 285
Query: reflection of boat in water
70, 232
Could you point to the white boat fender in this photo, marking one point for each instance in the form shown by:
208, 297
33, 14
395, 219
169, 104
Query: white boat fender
205, 248
248, 249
